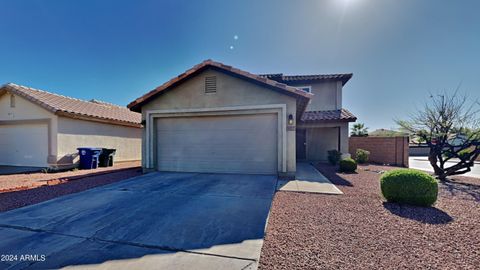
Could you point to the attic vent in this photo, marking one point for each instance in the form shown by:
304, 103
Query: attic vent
210, 84
12, 101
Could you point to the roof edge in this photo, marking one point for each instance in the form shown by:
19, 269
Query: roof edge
349, 117
98, 119
137, 103
343, 77
11, 88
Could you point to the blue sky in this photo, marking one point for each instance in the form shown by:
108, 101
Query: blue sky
399, 51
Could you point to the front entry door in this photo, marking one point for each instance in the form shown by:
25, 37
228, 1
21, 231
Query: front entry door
301, 144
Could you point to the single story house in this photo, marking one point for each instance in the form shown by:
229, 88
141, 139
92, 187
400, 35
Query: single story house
217, 118
42, 129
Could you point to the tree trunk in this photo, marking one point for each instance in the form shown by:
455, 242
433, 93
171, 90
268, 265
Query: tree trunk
432, 157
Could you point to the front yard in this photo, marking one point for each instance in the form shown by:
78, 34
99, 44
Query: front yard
358, 230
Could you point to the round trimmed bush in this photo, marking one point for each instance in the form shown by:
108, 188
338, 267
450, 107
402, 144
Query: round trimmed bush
361, 156
409, 186
348, 165
334, 156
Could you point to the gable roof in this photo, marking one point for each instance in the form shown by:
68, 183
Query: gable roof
302, 96
93, 110
279, 77
341, 115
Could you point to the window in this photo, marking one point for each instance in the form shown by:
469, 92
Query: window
12, 101
307, 88
210, 84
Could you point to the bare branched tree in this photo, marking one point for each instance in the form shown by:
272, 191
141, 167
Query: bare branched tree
450, 125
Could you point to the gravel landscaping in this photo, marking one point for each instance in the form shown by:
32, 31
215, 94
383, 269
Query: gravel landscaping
66, 184
22, 181
358, 230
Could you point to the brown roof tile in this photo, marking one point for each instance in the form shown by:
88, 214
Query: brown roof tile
342, 115
72, 107
315, 77
302, 96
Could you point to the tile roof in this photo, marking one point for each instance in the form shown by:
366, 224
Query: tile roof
315, 77
76, 108
342, 115
302, 96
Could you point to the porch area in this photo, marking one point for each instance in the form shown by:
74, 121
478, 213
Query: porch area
308, 179
314, 140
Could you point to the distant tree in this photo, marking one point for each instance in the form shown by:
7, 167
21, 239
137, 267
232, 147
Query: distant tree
359, 130
439, 124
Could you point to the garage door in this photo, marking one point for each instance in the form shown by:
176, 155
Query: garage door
24, 145
224, 144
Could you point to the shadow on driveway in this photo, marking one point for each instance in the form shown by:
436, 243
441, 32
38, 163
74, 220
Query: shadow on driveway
7, 170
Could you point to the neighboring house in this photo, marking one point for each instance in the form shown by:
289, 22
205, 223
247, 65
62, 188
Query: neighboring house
382, 132
422, 149
42, 129
457, 139
217, 118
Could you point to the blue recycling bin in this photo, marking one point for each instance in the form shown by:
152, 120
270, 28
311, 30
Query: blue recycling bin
89, 157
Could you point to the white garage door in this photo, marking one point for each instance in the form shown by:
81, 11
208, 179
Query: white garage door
224, 144
24, 145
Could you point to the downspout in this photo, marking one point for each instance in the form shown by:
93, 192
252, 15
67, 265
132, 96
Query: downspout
339, 139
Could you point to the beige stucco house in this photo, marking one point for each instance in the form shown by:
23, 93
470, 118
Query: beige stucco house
42, 129
217, 118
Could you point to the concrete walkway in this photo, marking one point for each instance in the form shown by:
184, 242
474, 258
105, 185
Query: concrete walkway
308, 179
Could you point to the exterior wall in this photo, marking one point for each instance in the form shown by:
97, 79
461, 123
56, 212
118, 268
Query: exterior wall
327, 95
25, 111
74, 133
383, 150
324, 137
231, 92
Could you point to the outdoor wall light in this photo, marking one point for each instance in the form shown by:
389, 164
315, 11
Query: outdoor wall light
290, 119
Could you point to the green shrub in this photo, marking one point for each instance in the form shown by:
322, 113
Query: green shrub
334, 156
348, 165
465, 153
361, 156
462, 154
409, 186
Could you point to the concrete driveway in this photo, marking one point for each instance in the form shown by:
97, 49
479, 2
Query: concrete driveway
157, 220
422, 163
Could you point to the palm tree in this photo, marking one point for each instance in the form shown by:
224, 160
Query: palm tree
359, 130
